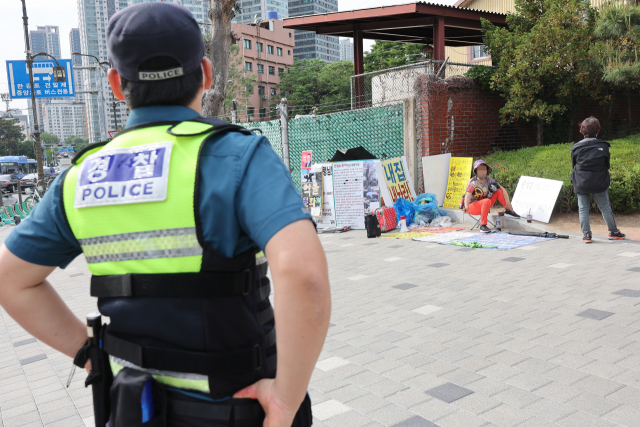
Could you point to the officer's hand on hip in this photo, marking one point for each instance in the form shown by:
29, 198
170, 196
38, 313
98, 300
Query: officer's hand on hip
277, 414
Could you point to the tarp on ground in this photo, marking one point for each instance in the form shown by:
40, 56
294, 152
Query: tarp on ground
503, 241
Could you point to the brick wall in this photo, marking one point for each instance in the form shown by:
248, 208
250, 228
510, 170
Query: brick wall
459, 118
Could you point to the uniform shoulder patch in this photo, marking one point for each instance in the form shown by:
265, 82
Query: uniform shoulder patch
124, 175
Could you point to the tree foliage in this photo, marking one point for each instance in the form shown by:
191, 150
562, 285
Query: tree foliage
542, 58
316, 87
385, 54
617, 46
77, 142
10, 132
49, 138
12, 140
240, 85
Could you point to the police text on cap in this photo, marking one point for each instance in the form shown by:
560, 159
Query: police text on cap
160, 75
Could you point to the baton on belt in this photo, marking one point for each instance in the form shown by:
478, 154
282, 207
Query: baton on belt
100, 377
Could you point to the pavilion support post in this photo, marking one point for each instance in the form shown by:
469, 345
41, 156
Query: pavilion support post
438, 39
438, 43
358, 68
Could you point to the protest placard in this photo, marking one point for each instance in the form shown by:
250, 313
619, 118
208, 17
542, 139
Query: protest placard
328, 217
459, 174
305, 163
395, 180
312, 193
348, 197
435, 172
537, 195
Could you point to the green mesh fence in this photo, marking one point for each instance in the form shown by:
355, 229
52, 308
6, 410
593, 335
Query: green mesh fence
271, 130
378, 129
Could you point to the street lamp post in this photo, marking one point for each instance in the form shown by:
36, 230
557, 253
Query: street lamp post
115, 117
6, 98
58, 75
103, 66
36, 128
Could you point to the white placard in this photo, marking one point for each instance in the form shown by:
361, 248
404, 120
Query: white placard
348, 189
435, 172
538, 195
328, 218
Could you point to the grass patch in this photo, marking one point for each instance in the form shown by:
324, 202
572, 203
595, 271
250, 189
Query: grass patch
554, 162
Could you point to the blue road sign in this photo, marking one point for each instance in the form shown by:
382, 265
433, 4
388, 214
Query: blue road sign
43, 83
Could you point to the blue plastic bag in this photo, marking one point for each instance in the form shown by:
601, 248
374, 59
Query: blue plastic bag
426, 208
406, 209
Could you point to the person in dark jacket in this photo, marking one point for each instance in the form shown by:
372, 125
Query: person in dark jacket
590, 176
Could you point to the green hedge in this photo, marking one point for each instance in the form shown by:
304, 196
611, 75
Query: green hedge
554, 162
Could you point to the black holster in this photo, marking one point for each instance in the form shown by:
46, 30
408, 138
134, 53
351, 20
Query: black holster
100, 377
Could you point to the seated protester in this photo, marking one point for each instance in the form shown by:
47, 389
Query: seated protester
482, 193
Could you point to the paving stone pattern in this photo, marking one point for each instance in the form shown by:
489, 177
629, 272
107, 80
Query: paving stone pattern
548, 335
474, 340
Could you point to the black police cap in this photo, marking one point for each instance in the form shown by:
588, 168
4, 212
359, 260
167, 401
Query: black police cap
151, 30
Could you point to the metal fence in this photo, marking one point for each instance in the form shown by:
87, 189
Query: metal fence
270, 129
378, 129
396, 84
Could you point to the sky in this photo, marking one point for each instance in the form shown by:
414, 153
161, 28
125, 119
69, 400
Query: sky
64, 14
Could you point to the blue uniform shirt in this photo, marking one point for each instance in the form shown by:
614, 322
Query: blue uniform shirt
246, 196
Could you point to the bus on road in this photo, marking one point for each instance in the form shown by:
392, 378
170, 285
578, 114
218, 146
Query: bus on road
17, 165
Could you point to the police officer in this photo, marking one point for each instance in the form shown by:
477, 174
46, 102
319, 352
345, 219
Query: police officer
173, 216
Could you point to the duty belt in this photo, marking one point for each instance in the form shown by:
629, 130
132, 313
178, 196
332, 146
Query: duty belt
211, 364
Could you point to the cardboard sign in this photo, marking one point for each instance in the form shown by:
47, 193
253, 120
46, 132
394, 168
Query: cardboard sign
459, 174
435, 172
328, 217
538, 195
395, 180
312, 192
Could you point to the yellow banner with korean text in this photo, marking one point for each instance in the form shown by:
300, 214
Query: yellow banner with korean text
459, 174
397, 180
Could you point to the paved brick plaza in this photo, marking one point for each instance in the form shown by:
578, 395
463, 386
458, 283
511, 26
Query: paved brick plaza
424, 335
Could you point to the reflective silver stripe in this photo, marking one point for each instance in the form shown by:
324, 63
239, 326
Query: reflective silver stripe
169, 243
137, 235
169, 253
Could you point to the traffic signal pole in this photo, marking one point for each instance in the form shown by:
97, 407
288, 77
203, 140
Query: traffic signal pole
36, 128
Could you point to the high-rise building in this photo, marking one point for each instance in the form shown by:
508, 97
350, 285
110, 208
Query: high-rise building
93, 17
74, 43
66, 118
45, 39
310, 45
346, 50
251, 9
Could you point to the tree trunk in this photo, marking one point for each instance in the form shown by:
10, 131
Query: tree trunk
572, 114
540, 131
628, 108
221, 12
